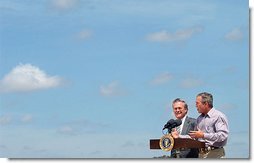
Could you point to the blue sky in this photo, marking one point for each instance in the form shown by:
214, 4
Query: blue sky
96, 78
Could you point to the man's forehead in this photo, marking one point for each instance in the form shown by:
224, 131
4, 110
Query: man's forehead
178, 103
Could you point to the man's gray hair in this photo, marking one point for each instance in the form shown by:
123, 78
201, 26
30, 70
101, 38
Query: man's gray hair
206, 97
181, 100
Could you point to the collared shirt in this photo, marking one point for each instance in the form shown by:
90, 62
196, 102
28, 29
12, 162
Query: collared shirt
181, 126
215, 127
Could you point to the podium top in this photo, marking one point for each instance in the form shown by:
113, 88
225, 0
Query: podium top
178, 143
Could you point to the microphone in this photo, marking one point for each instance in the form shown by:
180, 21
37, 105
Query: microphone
177, 122
168, 124
172, 124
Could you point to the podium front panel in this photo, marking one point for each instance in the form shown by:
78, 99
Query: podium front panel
178, 143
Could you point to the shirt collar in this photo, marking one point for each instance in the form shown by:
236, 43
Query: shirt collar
183, 119
210, 113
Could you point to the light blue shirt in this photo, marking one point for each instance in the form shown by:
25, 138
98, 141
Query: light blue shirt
215, 127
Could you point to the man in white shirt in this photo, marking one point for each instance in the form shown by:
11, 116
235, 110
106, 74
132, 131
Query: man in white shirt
180, 109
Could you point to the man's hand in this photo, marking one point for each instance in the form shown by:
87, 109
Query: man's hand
174, 133
196, 134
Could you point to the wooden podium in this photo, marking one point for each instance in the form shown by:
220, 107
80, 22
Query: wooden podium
178, 143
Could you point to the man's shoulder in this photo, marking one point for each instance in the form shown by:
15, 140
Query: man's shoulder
190, 119
218, 113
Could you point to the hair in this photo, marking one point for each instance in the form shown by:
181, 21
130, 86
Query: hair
206, 98
180, 100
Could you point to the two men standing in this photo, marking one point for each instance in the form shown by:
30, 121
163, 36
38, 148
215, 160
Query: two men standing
211, 127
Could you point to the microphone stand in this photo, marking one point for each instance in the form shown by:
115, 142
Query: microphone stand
177, 150
177, 153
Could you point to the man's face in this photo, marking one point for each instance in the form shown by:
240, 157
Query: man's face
179, 110
201, 108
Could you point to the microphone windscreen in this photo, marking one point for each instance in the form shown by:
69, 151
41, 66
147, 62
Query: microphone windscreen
178, 122
171, 121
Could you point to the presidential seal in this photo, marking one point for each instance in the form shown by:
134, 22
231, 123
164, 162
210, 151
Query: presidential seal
167, 142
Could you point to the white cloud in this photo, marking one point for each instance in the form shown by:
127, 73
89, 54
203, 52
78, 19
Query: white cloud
112, 89
77, 127
26, 118
5, 119
162, 79
159, 36
84, 34
191, 83
26, 77
66, 130
64, 4
180, 35
234, 35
